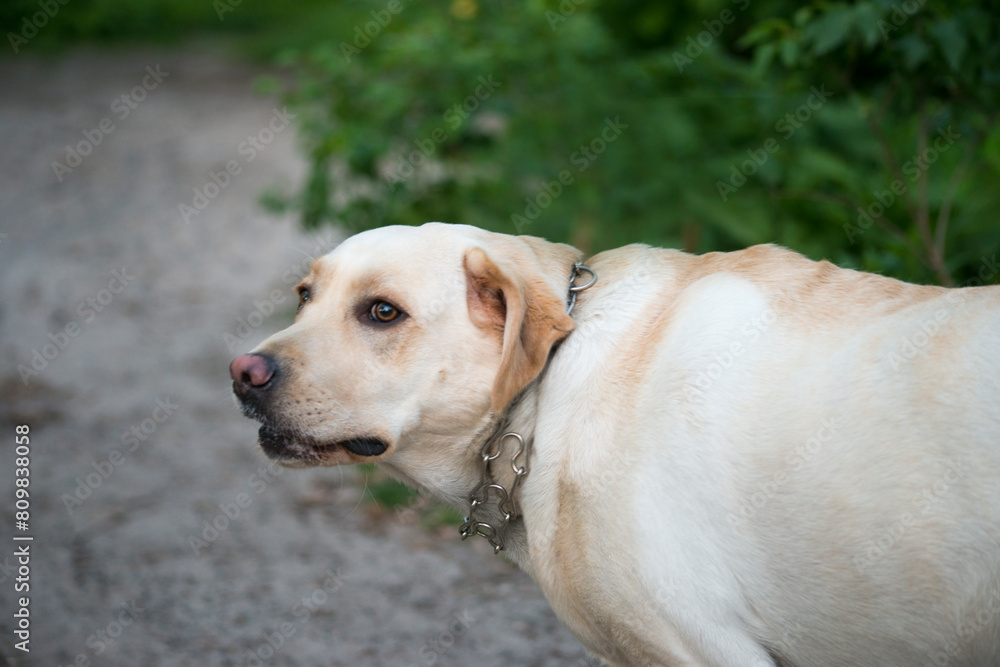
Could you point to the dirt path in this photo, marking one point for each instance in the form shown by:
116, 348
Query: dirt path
130, 314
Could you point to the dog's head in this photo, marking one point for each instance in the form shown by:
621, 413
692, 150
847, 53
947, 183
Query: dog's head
405, 338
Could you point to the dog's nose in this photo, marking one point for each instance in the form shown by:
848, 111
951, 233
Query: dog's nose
251, 371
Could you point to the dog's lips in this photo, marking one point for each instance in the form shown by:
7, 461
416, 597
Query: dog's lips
281, 446
275, 444
370, 446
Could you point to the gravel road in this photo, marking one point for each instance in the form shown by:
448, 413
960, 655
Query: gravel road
161, 536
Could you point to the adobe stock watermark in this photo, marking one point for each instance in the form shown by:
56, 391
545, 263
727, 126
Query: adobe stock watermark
988, 269
971, 625
381, 18
662, 592
245, 327
121, 107
229, 511
87, 310
407, 164
107, 636
566, 9
301, 611
131, 440
638, 277
873, 550
223, 7
264, 308
697, 44
900, 14
787, 126
750, 332
248, 149
921, 335
30, 25
913, 168
608, 475
432, 649
911, 345
581, 159
8, 569
794, 461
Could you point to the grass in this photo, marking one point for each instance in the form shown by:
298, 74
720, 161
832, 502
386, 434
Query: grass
400, 499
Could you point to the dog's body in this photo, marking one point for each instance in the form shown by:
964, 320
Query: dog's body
738, 459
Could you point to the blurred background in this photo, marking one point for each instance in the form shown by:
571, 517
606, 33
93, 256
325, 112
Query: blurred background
397, 126
170, 166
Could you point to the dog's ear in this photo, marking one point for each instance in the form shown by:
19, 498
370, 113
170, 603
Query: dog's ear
520, 295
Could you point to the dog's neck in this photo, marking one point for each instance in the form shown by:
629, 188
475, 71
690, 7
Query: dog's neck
453, 484
503, 459
456, 485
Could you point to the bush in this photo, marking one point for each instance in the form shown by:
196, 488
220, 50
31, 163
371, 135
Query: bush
704, 126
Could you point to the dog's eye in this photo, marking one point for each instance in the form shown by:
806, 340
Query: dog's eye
303, 297
383, 312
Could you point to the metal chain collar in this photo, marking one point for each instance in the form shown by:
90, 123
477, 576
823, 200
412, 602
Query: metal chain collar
507, 502
575, 289
479, 495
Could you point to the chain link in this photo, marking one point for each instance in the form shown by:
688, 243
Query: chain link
507, 502
575, 289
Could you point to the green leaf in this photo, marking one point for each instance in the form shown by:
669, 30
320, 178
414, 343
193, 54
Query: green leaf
914, 51
830, 30
763, 31
789, 52
978, 24
802, 16
991, 148
866, 18
744, 228
952, 41
824, 165
762, 58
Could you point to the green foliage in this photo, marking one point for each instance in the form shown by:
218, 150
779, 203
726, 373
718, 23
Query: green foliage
404, 502
384, 491
910, 70
738, 123
718, 148
258, 29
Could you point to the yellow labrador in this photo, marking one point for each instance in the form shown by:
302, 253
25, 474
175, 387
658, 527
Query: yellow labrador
737, 459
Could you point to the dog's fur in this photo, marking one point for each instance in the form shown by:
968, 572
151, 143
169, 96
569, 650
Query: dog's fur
739, 459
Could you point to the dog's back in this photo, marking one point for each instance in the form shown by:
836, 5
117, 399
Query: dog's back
813, 455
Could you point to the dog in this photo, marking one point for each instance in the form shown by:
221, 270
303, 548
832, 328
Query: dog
735, 459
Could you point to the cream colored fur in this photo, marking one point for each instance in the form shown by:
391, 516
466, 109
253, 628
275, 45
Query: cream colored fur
740, 459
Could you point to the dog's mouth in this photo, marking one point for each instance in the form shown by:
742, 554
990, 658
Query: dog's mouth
296, 450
